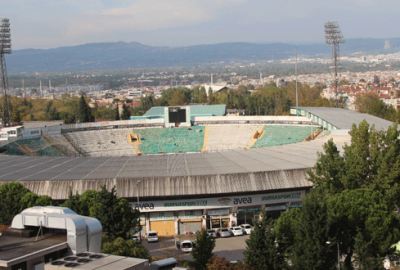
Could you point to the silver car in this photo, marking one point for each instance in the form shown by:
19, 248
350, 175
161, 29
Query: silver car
211, 233
224, 232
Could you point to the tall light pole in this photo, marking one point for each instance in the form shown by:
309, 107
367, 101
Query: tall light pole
5, 48
334, 37
338, 252
137, 189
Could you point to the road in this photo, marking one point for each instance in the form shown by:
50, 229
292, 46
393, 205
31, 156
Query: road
231, 248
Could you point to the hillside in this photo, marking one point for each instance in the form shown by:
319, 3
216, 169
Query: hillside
134, 55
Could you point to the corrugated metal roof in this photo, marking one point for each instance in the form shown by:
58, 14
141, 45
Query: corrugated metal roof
344, 119
170, 174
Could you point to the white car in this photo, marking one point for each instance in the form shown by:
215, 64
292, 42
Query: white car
152, 236
247, 228
237, 231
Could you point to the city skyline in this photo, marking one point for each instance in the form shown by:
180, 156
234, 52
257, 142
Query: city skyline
44, 24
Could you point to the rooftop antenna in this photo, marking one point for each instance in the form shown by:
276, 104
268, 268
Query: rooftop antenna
334, 36
5, 48
297, 94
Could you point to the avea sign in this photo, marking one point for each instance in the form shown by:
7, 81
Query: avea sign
144, 206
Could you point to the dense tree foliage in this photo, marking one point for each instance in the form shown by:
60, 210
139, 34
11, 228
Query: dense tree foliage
354, 201
202, 252
14, 198
123, 247
220, 263
370, 103
115, 214
262, 252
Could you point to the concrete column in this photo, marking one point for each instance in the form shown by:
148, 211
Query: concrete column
176, 219
233, 218
147, 223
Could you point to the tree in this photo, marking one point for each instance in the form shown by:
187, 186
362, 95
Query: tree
16, 115
372, 160
125, 113
122, 247
202, 252
310, 250
261, 251
220, 263
116, 114
285, 229
14, 198
11, 195
103, 112
84, 111
177, 99
115, 214
364, 223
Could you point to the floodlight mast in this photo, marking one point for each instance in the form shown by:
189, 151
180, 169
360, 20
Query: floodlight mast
334, 36
5, 48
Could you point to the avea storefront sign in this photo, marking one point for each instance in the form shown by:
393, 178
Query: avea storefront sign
219, 202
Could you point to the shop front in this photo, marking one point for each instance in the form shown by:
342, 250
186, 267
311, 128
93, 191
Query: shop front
143, 224
163, 223
190, 221
247, 215
218, 219
275, 211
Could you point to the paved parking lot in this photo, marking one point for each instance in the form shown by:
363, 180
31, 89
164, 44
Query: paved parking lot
231, 248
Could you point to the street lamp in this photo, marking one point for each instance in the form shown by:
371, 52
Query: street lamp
137, 189
338, 252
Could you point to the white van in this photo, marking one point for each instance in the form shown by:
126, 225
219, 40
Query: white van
152, 236
185, 245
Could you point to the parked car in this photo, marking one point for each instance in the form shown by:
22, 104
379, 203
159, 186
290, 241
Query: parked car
237, 231
137, 238
152, 236
224, 232
247, 228
211, 233
185, 245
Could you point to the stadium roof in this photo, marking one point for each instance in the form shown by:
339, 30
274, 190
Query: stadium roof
285, 157
344, 119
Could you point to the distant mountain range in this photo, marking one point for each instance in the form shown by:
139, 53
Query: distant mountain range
134, 55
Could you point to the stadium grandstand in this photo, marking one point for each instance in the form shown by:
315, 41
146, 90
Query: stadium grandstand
191, 168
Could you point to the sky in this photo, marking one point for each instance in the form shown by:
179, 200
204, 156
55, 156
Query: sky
44, 24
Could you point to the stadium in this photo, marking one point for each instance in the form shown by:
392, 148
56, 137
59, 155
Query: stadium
185, 168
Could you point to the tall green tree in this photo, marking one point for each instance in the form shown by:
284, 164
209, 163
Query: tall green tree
11, 195
365, 225
310, 250
84, 111
203, 250
115, 214
261, 251
126, 114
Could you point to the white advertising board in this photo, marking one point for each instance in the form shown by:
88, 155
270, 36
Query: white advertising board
33, 132
219, 202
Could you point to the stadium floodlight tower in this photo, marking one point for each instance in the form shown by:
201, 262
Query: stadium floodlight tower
334, 36
5, 48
